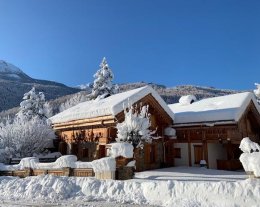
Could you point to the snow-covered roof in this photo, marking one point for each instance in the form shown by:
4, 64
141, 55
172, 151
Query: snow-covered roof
227, 108
111, 105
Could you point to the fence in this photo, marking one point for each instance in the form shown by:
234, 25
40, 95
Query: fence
122, 173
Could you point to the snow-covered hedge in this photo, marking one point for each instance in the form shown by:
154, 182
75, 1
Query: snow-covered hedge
101, 165
250, 158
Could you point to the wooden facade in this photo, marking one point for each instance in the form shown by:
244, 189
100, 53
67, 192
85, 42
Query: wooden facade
217, 144
89, 139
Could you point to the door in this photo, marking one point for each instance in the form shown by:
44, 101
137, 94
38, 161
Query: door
198, 154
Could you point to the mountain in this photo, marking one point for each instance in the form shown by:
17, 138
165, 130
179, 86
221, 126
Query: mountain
170, 95
14, 83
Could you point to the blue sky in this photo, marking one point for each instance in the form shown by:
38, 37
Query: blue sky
170, 42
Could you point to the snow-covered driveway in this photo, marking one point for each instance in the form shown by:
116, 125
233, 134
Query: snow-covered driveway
191, 174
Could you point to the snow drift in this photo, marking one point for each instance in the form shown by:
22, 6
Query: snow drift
160, 193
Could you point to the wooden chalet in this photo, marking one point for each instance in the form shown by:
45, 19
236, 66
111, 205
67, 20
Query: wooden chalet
87, 129
211, 130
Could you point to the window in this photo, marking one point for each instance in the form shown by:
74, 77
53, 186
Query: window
177, 152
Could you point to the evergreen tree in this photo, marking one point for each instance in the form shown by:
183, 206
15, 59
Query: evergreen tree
103, 86
33, 105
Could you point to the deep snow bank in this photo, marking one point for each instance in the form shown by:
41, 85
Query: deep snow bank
159, 193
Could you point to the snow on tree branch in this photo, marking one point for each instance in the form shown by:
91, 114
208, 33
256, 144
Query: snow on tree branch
257, 92
103, 86
135, 129
24, 137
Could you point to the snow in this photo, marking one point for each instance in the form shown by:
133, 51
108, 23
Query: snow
9, 68
102, 86
257, 90
15, 76
121, 149
227, 108
100, 165
106, 164
187, 100
250, 158
170, 132
135, 129
111, 105
246, 145
179, 188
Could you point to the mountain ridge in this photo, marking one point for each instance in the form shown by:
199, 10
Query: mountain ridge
14, 83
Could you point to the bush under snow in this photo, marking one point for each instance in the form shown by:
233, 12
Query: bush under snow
250, 158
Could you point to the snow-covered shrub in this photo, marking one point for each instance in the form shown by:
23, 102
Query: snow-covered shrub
23, 137
135, 129
250, 158
257, 92
103, 86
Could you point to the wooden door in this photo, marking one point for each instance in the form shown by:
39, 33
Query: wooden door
198, 154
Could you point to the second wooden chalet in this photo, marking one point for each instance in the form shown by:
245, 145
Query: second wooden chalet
211, 129
88, 128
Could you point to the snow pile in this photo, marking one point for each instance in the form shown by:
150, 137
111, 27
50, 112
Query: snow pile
122, 149
159, 193
250, 158
187, 100
106, 164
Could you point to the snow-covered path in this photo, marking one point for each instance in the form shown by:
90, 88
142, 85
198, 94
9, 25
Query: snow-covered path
182, 187
191, 174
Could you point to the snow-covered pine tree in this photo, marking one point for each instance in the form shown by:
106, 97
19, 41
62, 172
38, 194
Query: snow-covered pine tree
32, 105
102, 86
257, 92
135, 129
